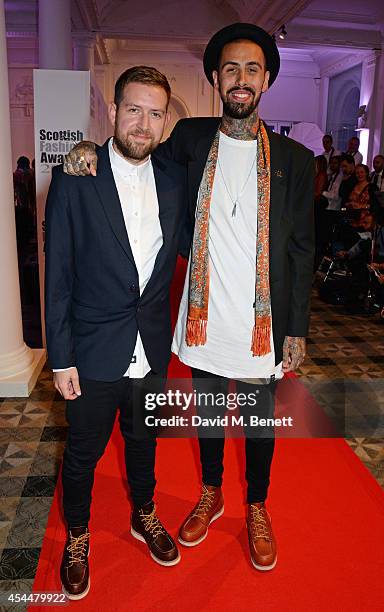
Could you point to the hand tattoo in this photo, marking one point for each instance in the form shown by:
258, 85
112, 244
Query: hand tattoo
81, 160
293, 353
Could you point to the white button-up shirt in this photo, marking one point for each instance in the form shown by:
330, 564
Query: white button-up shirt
379, 182
136, 187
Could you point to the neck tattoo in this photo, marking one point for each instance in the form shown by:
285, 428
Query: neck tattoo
241, 129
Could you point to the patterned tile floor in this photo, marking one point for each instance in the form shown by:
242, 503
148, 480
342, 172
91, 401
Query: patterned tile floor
32, 434
344, 371
346, 350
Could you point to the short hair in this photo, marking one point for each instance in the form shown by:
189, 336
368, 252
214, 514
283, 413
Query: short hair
355, 138
141, 74
348, 158
365, 168
328, 136
379, 155
23, 162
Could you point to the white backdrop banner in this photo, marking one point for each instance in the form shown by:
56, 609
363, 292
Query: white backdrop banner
68, 108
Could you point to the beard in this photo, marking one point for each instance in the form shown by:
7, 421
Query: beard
240, 110
131, 149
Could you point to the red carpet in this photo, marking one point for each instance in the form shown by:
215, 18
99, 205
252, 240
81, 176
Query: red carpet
328, 516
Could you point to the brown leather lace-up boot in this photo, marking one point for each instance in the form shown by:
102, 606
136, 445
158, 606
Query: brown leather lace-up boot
209, 508
262, 543
147, 527
74, 570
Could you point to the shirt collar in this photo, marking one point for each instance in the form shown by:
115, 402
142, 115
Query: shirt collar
124, 168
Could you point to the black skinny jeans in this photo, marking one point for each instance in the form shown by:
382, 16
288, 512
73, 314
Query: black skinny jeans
91, 418
259, 444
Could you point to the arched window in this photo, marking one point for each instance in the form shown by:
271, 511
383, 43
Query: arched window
178, 110
343, 106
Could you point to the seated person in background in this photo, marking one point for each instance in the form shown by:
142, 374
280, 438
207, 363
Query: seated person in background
358, 256
377, 176
329, 150
377, 264
361, 196
348, 180
358, 205
362, 247
353, 149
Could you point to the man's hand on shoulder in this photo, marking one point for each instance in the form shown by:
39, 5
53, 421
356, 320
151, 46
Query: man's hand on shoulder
67, 383
293, 353
81, 160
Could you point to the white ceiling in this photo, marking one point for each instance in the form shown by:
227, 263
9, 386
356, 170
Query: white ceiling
323, 31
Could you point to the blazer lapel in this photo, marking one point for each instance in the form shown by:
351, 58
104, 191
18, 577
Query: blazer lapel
197, 165
277, 201
166, 194
106, 189
278, 180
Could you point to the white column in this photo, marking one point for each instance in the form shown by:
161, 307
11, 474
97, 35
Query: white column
323, 103
376, 110
19, 365
83, 53
55, 40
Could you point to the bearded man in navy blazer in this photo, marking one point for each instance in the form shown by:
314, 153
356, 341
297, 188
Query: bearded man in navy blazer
111, 247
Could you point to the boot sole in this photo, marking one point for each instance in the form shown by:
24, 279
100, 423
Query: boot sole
139, 537
77, 597
202, 538
264, 568
84, 593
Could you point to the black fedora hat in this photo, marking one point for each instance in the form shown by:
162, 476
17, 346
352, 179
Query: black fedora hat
237, 31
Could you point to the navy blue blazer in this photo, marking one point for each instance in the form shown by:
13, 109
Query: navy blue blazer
93, 307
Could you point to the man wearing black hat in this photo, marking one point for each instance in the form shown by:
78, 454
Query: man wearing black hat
245, 308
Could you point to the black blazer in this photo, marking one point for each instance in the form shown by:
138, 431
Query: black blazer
92, 301
291, 217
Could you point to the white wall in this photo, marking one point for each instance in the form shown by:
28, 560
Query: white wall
294, 96
291, 99
372, 95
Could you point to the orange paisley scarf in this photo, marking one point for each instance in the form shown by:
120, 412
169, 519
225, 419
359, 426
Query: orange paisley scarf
196, 332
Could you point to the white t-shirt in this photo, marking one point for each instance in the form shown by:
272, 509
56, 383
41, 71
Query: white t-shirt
232, 265
357, 156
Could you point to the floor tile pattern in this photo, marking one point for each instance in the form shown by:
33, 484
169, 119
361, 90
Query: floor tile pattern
344, 370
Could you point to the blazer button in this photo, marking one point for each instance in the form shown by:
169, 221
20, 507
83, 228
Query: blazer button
133, 288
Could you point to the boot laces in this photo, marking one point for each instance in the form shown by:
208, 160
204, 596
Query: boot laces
259, 523
205, 503
152, 523
77, 547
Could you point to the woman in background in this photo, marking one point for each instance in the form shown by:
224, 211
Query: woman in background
361, 197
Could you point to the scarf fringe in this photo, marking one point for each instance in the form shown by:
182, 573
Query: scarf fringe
261, 340
196, 332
